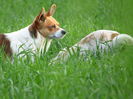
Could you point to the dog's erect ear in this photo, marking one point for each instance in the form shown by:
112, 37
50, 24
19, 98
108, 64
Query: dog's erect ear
51, 10
41, 16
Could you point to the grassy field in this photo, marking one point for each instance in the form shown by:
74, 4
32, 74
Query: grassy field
106, 77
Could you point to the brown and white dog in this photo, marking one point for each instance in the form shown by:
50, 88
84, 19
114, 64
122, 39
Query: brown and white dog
100, 40
34, 37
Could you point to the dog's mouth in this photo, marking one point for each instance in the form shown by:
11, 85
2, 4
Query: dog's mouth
57, 35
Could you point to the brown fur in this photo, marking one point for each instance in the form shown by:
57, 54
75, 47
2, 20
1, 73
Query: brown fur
5, 44
44, 23
87, 38
114, 35
103, 37
33, 31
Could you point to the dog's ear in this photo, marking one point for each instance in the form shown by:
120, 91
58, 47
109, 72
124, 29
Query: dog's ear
51, 10
41, 16
114, 35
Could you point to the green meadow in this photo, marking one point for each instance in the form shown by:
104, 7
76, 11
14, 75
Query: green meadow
103, 77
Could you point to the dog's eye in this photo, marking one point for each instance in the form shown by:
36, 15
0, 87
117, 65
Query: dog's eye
52, 26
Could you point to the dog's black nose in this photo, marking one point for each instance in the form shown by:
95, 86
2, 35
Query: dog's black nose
63, 32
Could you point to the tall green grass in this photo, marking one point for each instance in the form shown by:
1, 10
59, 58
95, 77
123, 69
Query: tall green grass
107, 77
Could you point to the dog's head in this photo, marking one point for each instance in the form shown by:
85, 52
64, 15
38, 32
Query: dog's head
47, 26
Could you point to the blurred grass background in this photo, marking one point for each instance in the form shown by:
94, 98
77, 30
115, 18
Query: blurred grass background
109, 77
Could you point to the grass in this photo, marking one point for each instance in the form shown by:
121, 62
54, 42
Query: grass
107, 77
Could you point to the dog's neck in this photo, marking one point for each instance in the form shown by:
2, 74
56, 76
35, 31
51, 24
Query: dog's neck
42, 43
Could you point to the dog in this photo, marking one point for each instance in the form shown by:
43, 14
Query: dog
100, 40
36, 37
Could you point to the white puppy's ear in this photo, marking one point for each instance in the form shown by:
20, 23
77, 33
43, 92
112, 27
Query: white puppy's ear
51, 10
41, 16
114, 35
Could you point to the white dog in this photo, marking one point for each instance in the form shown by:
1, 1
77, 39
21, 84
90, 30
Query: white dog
100, 40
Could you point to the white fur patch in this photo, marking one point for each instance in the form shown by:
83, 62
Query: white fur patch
22, 41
